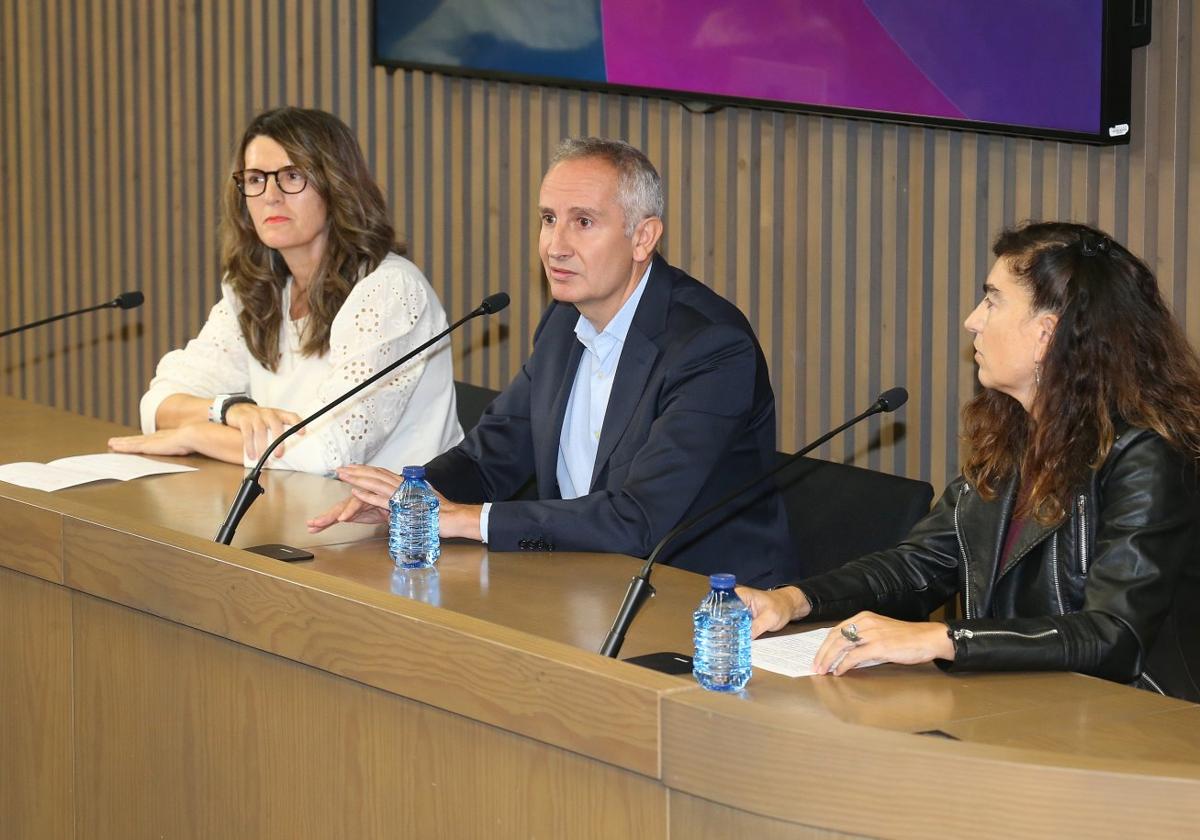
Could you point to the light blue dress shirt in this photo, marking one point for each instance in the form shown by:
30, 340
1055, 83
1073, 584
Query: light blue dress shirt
584, 420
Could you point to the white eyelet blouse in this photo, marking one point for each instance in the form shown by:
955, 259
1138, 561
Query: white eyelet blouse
407, 418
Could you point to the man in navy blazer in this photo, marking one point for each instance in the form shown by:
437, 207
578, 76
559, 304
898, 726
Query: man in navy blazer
646, 399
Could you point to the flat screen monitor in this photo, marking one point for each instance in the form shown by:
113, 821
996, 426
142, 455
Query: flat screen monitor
1052, 68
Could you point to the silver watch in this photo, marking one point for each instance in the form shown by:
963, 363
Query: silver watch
221, 404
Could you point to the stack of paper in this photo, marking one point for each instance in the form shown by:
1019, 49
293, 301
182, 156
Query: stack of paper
793, 655
81, 469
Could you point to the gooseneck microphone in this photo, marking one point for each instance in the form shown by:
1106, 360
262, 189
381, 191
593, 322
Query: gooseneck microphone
125, 300
251, 489
639, 587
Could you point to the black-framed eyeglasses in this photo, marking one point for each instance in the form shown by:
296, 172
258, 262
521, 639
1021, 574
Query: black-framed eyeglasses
253, 182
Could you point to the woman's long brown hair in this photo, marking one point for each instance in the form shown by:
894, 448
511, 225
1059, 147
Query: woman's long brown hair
1117, 356
360, 232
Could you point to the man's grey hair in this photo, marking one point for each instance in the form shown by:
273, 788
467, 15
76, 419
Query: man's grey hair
639, 189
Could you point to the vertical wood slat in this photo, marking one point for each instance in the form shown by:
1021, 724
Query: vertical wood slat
28, 75
54, 185
864, 324
890, 315
161, 326
492, 271
476, 281
121, 61
855, 248
10, 205
788, 373
1191, 222
457, 236
93, 240
943, 332
132, 198
812, 291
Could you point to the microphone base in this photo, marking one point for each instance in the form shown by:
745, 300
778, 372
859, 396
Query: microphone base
637, 593
663, 661
247, 493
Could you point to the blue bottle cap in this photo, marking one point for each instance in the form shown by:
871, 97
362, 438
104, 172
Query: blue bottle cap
722, 581
414, 472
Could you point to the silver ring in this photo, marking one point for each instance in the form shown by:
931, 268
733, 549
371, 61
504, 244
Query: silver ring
850, 634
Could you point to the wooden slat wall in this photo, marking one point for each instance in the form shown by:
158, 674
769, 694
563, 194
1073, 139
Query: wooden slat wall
856, 248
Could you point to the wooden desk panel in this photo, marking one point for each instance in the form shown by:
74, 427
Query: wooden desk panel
914, 699
187, 735
32, 538
218, 693
36, 748
1121, 726
693, 818
525, 591
532, 686
805, 769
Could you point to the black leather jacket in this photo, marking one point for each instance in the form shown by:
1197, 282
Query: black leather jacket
1112, 591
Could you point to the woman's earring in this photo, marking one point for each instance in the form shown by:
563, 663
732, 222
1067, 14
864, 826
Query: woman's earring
1037, 373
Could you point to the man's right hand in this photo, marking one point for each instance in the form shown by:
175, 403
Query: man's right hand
773, 609
373, 485
349, 509
371, 489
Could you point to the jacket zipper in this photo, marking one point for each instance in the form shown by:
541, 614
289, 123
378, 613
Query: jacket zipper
1083, 544
1054, 571
962, 550
1146, 676
963, 633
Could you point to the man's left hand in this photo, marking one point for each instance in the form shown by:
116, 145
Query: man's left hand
455, 520
374, 486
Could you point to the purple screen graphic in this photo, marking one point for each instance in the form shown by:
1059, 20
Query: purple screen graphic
1021, 62
1031, 64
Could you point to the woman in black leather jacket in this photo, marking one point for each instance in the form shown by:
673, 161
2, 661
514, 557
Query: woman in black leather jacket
1074, 532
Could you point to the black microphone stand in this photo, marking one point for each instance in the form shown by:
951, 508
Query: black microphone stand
251, 489
640, 587
126, 300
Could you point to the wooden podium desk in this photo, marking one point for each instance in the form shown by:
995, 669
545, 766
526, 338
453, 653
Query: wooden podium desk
156, 684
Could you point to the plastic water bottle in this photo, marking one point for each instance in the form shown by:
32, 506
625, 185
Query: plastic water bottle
413, 540
722, 637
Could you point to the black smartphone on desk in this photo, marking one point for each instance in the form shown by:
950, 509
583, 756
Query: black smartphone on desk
279, 551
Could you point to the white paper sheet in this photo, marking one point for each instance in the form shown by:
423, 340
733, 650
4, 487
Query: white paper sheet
792, 655
82, 469
118, 465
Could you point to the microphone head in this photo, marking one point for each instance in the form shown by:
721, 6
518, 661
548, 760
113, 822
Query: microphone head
494, 303
892, 399
129, 300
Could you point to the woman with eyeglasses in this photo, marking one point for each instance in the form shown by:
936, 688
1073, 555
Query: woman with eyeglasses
316, 297
1073, 534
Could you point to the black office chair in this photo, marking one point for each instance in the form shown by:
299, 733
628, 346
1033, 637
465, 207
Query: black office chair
471, 401
837, 512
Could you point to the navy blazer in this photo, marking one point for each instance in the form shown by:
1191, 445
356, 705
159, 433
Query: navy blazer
691, 416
